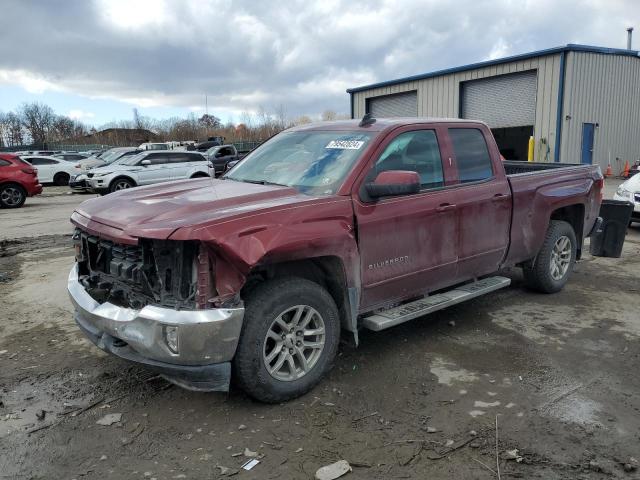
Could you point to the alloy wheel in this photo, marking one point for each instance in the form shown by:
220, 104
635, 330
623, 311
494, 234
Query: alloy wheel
560, 258
294, 343
11, 196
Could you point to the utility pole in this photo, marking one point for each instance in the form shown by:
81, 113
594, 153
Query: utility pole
206, 105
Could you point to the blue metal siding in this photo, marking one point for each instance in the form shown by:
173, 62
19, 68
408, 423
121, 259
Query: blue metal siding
556, 154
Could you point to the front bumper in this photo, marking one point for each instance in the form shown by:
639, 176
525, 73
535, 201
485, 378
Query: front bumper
207, 339
78, 182
98, 184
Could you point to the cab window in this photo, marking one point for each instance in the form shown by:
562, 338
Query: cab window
472, 154
416, 151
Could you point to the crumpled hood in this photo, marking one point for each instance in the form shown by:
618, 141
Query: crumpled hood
159, 210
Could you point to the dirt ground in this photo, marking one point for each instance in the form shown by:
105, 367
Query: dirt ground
558, 373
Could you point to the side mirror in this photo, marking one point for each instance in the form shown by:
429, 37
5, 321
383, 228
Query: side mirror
145, 163
393, 183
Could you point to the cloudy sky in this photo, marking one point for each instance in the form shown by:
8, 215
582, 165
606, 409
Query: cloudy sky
97, 59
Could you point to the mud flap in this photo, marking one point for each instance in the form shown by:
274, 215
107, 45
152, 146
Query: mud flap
608, 237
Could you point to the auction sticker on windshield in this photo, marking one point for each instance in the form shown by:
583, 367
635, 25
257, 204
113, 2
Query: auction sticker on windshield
345, 144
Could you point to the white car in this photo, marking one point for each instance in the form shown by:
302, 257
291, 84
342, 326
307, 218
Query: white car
51, 169
147, 168
630, 192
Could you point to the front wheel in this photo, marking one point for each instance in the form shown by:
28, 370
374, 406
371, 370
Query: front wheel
289, 339
120, 184
552, 267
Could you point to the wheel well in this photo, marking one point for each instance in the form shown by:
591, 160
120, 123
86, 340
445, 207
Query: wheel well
325, 271
120, 177
574, 216
199, 175
61, 173
15, 184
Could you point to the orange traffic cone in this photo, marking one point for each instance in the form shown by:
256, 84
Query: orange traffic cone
609, 171
627, 168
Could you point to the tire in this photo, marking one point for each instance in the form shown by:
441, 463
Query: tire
120, 183
61, 179
282, 299
12, 195
550, 270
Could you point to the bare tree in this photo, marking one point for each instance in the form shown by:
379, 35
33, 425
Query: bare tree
37, 119
328, 115
139, 121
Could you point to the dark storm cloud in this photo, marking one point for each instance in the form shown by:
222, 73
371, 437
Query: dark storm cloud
299, 54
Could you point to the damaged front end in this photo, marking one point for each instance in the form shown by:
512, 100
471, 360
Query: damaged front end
155, 303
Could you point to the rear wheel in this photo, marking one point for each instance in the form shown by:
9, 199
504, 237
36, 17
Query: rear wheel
552, 267
121, 184
289, 339
61, 179
12, 196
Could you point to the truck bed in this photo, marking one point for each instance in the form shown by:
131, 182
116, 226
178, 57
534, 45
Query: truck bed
515, 167
541, 188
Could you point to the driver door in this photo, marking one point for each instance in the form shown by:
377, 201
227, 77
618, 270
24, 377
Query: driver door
408, 244
158, 171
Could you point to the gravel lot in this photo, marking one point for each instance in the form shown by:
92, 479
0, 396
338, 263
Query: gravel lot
557, 372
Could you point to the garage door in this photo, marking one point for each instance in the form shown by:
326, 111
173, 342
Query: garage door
397, 105
503, 101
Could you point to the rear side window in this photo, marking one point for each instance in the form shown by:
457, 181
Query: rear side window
181, 158
195, 158
472, 154
42, 161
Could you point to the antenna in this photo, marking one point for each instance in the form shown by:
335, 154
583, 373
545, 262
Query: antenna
367, 120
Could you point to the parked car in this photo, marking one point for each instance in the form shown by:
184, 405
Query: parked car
154, 146
18, 180
78, 181
321, 231
629, 191
147, 168
204, 146
71, 157
220, 156
51, 169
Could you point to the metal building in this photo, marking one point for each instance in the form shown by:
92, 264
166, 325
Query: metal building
580, 103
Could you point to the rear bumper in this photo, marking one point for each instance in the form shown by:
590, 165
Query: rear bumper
207, 339
34, 189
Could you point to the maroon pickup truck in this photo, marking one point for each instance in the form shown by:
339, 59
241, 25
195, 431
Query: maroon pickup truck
321, 231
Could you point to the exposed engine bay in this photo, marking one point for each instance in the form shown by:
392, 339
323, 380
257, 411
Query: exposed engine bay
158, 272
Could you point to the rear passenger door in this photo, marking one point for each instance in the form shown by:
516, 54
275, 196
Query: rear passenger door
483, 200
181, 164
46, 168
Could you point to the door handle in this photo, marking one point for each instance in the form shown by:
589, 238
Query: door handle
445, 207
498, 197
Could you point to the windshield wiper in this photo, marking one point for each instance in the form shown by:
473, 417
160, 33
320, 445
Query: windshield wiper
257, 182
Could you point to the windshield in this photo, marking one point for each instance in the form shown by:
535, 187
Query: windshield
314, 162
110, 155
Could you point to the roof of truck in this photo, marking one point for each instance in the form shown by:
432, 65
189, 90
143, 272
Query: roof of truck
379, 124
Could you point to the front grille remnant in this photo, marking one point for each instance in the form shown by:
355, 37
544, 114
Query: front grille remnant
158, 272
